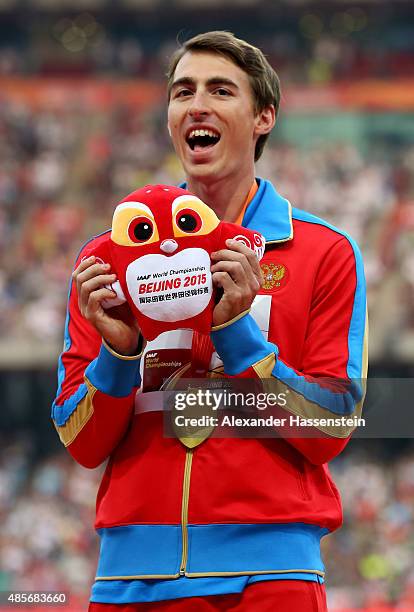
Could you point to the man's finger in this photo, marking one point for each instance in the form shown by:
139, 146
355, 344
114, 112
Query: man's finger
92, 271
225, 281
95, 283
94, 304
237, 245
84, 264
251, 266
240, 272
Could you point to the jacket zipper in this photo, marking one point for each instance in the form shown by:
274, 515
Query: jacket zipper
184, 509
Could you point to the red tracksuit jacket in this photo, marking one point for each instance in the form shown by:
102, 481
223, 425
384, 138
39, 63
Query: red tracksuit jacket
229, 506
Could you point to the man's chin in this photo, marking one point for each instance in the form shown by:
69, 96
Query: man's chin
201, 170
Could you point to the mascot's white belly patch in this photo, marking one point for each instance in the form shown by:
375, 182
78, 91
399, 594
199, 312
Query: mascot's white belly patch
171, 288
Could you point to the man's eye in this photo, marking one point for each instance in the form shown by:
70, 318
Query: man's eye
222, 92
182, 93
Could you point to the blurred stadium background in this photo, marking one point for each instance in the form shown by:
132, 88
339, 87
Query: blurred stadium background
82, 122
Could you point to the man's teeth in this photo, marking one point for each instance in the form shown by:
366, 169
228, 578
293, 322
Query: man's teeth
195, 133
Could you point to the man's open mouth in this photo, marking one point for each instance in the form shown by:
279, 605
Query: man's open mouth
202, 139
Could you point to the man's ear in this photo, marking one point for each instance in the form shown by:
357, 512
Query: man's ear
169, 130
265, 120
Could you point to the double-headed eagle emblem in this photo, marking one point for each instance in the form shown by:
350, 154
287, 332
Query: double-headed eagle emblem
274, 275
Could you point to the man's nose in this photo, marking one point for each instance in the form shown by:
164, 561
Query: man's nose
199, 106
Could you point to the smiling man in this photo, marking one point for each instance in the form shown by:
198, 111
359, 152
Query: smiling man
220, 523
215, 123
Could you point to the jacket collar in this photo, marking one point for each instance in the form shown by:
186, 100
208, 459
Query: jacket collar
268, 213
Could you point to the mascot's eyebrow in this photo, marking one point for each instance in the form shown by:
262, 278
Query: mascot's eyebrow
134, 205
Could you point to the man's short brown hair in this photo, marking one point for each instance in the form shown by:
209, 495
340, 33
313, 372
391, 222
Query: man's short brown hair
263, 79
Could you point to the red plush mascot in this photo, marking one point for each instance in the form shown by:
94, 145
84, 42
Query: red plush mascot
159, 248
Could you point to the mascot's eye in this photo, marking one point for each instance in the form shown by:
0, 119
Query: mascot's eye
188, 221
140, 229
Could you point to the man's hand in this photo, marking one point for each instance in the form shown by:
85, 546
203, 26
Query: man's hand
116, 325
237, 272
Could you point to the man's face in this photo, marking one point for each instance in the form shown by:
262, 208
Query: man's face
211, 117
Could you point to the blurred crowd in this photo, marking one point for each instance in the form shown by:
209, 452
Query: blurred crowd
47, 541
329, 58
311, 44
63, 169
369, 561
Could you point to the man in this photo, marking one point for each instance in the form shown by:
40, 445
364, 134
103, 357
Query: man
224, 523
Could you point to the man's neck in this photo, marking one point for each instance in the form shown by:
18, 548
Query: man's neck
225, 197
